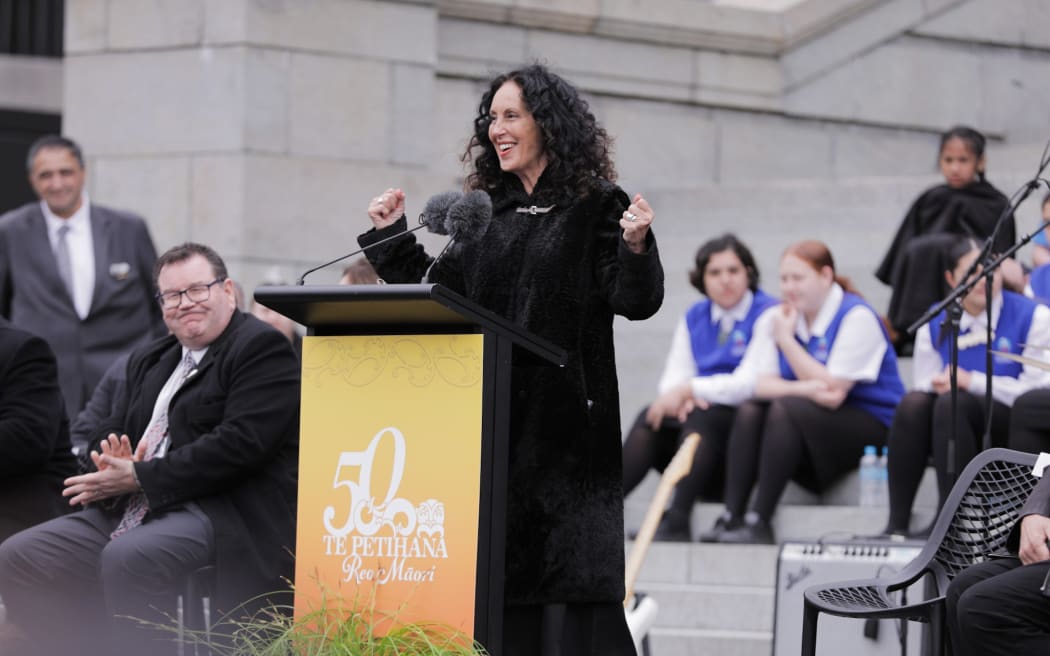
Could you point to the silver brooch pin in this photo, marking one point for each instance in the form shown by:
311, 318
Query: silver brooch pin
534, 210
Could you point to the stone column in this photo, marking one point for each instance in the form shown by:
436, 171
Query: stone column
259, 127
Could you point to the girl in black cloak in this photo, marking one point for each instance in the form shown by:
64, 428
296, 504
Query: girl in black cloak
966, 204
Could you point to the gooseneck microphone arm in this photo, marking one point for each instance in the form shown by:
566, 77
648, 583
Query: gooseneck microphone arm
302, 278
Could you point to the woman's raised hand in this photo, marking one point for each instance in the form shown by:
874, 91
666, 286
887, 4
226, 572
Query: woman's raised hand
635, 222
386, 208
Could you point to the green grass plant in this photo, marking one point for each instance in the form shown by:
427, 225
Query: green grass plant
331, 630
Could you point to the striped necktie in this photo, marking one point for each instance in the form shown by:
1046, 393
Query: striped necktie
156, 437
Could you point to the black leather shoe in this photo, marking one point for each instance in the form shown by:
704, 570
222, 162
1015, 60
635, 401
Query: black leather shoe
673, 528
751, 531
724, 523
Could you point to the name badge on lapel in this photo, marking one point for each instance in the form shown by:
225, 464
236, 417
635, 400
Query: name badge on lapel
119, 270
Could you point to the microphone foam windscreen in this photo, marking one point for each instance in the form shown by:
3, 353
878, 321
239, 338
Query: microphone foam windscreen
469, 217
436, 209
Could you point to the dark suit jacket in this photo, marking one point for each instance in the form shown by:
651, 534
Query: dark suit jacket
234, 428
100, 406
123, 313
34, 433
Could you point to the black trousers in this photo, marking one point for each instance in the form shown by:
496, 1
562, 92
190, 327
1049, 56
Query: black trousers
995, 608
922, 427
793, 438
646, 449
1030, 422
71, 589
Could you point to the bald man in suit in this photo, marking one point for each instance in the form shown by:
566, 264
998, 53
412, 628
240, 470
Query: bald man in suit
75, 273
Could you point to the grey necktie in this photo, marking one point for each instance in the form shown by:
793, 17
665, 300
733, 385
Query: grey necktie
725, 328
65, 264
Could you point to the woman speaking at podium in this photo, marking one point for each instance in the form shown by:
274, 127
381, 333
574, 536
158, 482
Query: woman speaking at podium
565, 251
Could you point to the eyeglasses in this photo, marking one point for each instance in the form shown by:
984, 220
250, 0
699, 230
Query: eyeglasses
195, 293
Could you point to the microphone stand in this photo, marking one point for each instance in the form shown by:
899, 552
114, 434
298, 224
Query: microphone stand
302, 279
954, 320
954, 299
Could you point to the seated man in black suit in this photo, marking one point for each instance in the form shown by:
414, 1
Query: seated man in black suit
998, 606
34, 433
197, 465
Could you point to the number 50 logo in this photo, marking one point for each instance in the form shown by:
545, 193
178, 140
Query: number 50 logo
366, 516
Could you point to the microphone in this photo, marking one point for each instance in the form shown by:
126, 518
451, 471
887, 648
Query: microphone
435, 212
469, 217
463, 217
466, 220
431, 224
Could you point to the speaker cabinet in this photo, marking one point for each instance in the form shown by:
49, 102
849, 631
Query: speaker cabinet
804, 564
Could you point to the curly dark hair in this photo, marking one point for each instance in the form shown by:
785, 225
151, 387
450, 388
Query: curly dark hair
577, 148
727, 242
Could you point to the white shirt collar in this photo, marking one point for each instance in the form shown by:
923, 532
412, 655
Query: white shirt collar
81, 219
737, 313
824, 316
969, 321
197, 355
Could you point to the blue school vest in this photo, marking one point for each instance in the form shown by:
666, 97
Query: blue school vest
878, 398
1040, 282
712, 357
1015, 318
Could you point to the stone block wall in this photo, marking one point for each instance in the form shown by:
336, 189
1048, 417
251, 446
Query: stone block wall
264, 126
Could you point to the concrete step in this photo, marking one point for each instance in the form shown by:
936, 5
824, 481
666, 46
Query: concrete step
802, 515
722, 599
709, 642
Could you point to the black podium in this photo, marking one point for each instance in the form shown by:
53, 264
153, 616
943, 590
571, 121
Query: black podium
402, 336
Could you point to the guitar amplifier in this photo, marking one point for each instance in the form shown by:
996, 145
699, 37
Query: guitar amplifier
804, 564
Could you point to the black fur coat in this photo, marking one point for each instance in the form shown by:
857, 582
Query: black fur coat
562, 275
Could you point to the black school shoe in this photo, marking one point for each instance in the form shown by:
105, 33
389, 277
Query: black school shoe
725, 522
673, 527
753, 530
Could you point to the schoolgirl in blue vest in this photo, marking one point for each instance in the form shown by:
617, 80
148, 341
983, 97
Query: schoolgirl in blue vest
698, 390
826, 385
922, 425
1038, 286
1030, 413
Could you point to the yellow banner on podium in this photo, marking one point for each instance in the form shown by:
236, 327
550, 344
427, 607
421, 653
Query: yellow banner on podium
389, 470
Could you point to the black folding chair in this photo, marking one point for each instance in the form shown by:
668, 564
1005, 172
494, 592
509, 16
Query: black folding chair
194, 612
975, 522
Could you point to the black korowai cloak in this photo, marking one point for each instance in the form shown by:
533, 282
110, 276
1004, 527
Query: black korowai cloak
915, 263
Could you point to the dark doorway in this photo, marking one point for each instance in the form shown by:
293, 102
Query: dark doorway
17, 131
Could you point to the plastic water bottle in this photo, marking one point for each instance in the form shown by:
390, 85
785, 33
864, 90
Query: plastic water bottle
884, 478
869, 477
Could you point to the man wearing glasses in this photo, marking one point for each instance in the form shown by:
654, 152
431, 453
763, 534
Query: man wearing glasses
197, 465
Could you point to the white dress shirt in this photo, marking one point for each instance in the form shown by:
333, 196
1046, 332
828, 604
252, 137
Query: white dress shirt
81, 251
727, 389
927, 361
167, 392
856, 354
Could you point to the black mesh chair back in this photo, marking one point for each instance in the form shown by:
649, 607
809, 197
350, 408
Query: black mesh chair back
974, 523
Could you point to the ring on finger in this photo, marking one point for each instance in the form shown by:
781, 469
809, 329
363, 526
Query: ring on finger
631, 216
